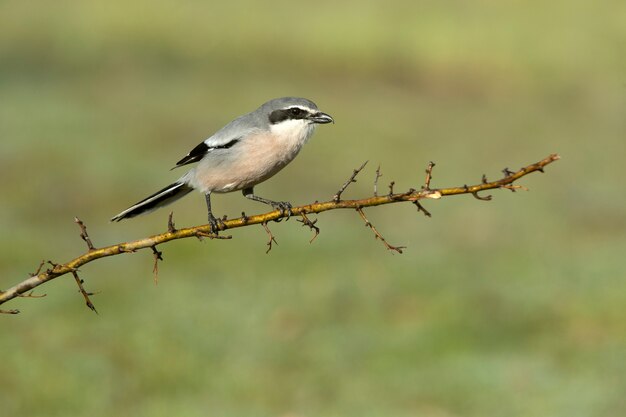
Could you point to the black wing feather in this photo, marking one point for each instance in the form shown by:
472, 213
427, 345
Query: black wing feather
195, 155
202, 149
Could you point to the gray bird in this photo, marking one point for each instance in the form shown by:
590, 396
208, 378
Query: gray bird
242, 154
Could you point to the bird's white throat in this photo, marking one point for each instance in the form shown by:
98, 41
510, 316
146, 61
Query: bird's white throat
293, 132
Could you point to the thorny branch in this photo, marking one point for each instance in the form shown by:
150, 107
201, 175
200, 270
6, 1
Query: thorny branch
307, 222
85, 294
429, 175
270, 237
378, 175
83, 233
158, 256
377, 233
413, 196
337, 196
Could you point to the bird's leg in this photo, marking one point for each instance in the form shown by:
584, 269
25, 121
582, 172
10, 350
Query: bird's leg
213, 222
283, 206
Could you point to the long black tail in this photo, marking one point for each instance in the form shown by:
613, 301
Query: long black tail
161, 198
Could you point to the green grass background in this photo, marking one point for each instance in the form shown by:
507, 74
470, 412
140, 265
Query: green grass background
516, 307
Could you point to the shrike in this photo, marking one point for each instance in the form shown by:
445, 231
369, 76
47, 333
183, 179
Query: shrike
242, 154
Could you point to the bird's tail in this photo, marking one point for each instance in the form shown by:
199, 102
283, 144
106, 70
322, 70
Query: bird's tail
161, 198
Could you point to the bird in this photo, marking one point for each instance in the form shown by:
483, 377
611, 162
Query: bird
247, 151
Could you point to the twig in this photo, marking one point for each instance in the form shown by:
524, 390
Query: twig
391, 184
171, 227
429, 175
378, 175
337, 196
475, 194
83, 233
377, 233
31, 295
422, 209
514, 187
34, 274
306, 222
85, 294
270, 237
485, 198
57, 270
158, 256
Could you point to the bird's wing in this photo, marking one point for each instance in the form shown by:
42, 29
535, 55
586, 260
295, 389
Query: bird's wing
204, 148
224, 138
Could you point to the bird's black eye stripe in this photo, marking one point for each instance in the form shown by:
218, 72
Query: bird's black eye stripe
292, 113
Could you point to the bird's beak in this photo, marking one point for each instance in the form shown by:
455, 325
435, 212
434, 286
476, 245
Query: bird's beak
321, 118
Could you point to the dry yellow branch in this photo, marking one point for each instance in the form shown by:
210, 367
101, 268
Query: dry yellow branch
57, 270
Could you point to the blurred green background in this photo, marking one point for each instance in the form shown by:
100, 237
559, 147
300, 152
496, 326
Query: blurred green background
510, 308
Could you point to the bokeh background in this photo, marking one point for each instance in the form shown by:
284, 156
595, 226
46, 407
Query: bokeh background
516, 307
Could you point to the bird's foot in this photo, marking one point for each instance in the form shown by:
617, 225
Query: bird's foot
283, 207
215, 224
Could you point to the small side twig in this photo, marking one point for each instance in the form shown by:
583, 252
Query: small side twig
85, 294
377, 233
171, 227
422, 209
34, 274
514, 187
158, 256
83, 233
378, 175
337, 196
485, 198
307, 222
475, 193
429, 175
13, 311
270, 237
31, 295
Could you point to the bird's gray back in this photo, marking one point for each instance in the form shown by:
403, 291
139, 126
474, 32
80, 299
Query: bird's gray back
256, 121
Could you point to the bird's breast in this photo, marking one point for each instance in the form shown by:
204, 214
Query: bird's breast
252, 160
